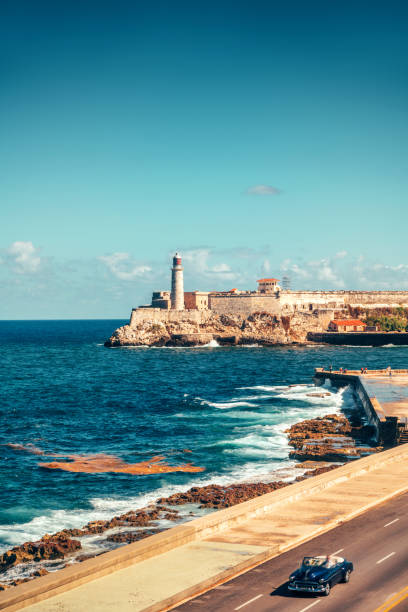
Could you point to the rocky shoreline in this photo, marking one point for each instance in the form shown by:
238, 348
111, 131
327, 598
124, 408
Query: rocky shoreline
315, 442
261, 328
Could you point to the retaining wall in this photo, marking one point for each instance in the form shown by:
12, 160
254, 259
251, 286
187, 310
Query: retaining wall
360, 339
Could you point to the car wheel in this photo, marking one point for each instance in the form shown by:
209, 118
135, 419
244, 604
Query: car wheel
327, 589
346, 576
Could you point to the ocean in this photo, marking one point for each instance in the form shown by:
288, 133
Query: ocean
223, 409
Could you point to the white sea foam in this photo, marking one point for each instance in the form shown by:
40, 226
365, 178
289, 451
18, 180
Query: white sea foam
105, 508
266, 387
226, 405
211, 344
394, 346
259, 441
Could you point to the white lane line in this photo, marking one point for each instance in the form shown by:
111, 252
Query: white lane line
384, 558
337, 552
309, 606
248, 602
392, 522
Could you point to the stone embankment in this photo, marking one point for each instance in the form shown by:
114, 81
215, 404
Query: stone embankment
325, 439
62, 545
199, 329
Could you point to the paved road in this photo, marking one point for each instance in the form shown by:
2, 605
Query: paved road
376, 542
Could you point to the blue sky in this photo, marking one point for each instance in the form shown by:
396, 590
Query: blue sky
254, 137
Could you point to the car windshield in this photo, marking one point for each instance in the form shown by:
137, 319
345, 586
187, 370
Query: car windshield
315, 561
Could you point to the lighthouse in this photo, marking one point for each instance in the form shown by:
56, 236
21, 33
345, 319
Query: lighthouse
177, 284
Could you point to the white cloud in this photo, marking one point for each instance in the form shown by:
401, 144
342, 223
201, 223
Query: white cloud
326, 273
24, 257
220, 268
198, 264
293, 269
122, 266
262, 190
346, 272
341, 254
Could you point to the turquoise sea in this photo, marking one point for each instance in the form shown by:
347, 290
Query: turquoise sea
62, 391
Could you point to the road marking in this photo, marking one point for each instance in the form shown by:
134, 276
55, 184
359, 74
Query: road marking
248, 602
337, 552
392, 522
384, 558
309, 606
393, 601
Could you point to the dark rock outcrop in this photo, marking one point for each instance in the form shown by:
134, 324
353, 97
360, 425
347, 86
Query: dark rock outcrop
49, 547
328, 438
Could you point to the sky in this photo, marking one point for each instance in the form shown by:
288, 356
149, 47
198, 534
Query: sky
256, 138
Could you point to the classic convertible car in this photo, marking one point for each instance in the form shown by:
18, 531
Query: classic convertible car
319, 574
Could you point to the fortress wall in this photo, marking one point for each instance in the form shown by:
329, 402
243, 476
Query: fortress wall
159, 315
311, 300
372, 298
306, 301
288, 301
377, 299
244, 305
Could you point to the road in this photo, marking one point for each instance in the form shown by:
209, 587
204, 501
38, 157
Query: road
377, 544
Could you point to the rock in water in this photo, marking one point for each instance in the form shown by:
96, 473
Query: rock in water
49, 547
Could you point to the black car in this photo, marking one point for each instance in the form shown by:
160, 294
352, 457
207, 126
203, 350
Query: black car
319, 574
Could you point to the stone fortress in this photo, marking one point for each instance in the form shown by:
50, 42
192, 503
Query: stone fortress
268, 315
268, 297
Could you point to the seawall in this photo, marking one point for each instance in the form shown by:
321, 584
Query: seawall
157, 573
360, 339
388, 425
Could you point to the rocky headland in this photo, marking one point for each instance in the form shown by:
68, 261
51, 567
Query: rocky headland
258, 328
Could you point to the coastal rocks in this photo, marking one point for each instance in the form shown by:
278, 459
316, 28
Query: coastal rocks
218, 496
328, 438
199, 328
126, 537
61, 544
49, 547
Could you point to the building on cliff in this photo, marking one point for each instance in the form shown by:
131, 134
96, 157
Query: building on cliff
347, 325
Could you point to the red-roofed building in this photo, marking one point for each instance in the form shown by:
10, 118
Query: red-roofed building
268, 285
347, 325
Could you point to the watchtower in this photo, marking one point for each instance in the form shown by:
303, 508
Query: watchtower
177, 284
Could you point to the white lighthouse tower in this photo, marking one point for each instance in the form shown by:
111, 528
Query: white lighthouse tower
177, 284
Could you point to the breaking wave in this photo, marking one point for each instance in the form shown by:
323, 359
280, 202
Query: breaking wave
211, 344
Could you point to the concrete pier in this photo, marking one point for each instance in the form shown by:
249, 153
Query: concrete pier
384, 396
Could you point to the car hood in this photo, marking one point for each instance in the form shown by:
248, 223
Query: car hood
310, 573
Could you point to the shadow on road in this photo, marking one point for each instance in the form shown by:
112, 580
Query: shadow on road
283, 591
